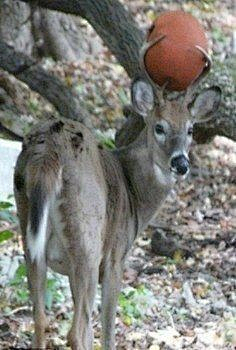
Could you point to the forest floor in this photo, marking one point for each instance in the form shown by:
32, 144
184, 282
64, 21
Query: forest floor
186, 301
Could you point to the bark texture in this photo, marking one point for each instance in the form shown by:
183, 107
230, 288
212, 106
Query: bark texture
40, 32
15, 25
224, 121
30, 72
58, 35
112, 22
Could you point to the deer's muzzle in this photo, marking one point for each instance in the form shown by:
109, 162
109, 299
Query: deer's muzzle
180, 165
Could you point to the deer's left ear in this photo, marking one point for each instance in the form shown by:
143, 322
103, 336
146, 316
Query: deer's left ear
205, 104
142, 96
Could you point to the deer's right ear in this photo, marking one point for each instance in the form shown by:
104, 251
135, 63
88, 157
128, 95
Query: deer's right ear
205, 104
142, 97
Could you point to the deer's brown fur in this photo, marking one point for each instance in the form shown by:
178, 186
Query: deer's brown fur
81, 207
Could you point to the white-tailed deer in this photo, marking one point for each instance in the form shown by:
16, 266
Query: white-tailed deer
81, 206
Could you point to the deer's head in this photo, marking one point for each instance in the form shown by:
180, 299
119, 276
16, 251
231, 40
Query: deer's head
170, 122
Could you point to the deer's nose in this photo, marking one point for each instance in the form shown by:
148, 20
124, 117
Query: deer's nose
180, 164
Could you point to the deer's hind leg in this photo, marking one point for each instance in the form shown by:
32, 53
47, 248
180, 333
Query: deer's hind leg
36, 273
83, 283
111, 284
83, 248
37, 280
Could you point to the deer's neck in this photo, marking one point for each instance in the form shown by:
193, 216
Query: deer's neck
148, 184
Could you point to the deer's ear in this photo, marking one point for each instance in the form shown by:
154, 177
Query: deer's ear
205, 104
142, 97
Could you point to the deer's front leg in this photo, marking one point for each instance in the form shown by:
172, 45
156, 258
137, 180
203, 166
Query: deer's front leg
111, 285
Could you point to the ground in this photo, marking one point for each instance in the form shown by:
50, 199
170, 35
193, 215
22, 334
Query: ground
184, 301
166, 303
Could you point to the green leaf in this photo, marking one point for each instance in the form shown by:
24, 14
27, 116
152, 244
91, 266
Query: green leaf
51, 284
134, 303
107, 142
127, 320
5, 205
22, 295
6, 235
20, 276
21, 271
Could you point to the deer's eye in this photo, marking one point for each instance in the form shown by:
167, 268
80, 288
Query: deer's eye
159, 129
190, 131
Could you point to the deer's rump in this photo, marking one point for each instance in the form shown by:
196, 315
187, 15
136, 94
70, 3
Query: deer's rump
64, 190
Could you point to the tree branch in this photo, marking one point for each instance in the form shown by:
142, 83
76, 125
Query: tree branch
224, 121
50, 87
112, 22
121, 35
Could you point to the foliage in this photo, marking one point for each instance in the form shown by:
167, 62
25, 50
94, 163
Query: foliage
5, 235
134, 303
54, 291
19, 288
106, 138
20, 293
6, 212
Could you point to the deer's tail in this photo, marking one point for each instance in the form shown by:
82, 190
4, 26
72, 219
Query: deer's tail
37, 222
43, 185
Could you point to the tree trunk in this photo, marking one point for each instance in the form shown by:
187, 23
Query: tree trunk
224, 121
59, 36
112, 22
40, 32
15, 25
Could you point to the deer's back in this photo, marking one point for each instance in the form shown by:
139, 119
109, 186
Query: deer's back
92, 191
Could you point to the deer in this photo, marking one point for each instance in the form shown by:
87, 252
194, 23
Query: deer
81, 206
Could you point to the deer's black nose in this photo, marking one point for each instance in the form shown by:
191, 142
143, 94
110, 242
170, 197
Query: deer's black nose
180, 164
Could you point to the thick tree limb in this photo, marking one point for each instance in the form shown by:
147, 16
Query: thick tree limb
224, 121
112, 23
30, 72
58, 35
